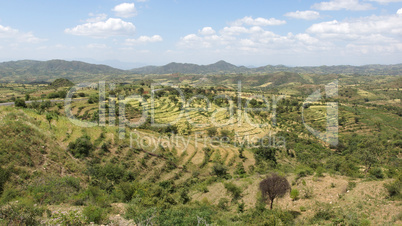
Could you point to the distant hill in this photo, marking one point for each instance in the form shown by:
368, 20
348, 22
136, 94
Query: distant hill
183, 68
28, 71
224, 67
372, 69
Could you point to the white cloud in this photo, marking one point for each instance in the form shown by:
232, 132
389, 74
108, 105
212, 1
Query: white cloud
125, 10
353, 5
304, 15
234, 30
96, 18
399, 12
110, 27
306, 38
248, 20
207, 31
351, 38
141, 0
96, 46
371, 34
15, 34
7, 32
367, 25
385, 1
254, 39
143, 39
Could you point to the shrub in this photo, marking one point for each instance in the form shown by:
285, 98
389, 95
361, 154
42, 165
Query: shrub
127, 190
81, 147
307, 192
241, 151
20, 103
54, 190
377, 172
69, 218
219, 170
319, 172
294, 194
184, 198
234, 190
350, 185
240, 207
21, 213
223, 204
4, 175
324, 213
212, 131
240, 169
204, 188
262, 154
394, 189
9, 194
304, 173
94, 214
93, 99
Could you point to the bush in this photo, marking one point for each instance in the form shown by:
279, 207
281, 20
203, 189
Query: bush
127, 190
324, 213
69, 218
9, 194
178, 215
203, 188
212, 131
307, 192
20, 103
4, 175
377, 172
303, 173
240, 169
264, 154
394, 189
93, 99
81, 147
94, 214
219, 170
294, 194
54, 190
319, 172
21, 213
223, 204
240, 207
350, 185
233, 190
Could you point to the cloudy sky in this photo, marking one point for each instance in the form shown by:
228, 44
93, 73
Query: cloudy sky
242, 32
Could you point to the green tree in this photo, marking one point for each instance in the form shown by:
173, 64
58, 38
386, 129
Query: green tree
49, 118
368, 152
20, 103
212, 131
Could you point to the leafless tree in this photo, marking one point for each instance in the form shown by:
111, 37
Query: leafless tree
274, 186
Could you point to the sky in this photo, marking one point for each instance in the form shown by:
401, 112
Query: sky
133, 33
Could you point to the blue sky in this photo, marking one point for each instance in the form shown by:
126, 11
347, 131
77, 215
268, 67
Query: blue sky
156, 32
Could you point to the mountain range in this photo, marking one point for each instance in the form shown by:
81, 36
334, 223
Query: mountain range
25, 71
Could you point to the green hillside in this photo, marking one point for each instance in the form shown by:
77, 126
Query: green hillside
54, 171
